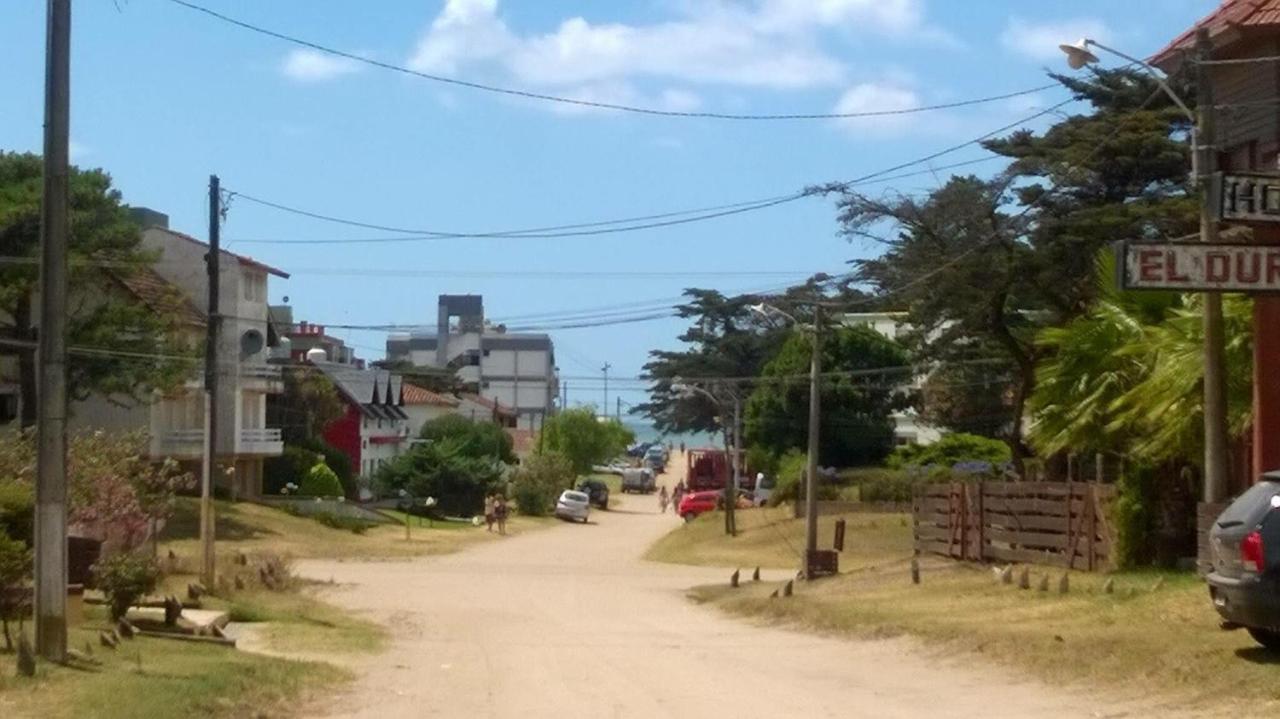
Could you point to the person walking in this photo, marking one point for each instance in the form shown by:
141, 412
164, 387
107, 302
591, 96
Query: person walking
490, 506
500, 513
663, 499
676, 495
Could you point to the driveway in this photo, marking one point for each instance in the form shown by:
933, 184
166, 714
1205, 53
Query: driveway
570, 622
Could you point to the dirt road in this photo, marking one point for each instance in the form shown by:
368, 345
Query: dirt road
569, 622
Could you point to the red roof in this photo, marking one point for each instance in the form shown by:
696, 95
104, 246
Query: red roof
1225, 25
490, 403
413, 394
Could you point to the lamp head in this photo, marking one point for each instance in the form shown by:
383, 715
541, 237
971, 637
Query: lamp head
1078, 54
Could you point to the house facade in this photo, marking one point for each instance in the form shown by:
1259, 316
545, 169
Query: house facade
374, 428
421, 405
514, 370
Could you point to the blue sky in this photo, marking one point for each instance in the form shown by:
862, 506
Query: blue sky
162, 97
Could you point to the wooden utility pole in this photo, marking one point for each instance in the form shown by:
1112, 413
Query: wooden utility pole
51, 419
212, 335
1215, 377
815, 428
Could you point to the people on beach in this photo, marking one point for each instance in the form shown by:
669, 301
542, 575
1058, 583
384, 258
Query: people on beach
663, 499
490, 505
500, 513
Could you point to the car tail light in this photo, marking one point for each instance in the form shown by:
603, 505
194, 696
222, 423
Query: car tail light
1251, 554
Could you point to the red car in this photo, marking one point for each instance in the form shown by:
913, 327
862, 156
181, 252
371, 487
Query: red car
695, 503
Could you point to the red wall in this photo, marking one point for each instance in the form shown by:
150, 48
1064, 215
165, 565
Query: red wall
344, 434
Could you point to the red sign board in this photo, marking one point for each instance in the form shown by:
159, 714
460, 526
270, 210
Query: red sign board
1196, 266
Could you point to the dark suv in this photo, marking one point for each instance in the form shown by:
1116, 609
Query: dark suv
1244, 582
597, 492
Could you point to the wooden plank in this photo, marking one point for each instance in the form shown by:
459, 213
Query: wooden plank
933, 547
1054, 508
1005, 554
931, 532
1001, 520
1048, 540
934, 504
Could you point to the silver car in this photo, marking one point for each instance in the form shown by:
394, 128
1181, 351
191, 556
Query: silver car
573, 505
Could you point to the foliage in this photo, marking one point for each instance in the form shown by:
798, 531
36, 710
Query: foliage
950, 450
538, 482
855, 412
1018, 249
15, 568
148, 350
790, 480
290, 467
320, 481
974, 398
470, 438
309, 403
889, 485
760, 459
334, 520
1133, 516
443, 470
340, 463
583, 440
125, 577
17, 508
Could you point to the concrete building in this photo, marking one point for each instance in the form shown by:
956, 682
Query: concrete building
908, 428
300, 337
515, 370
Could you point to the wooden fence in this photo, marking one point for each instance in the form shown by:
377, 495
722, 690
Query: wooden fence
1063, 523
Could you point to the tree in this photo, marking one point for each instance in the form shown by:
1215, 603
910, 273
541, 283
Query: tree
856, 424
445, 471
538, 482
15, 568
472, 439
583, 439
134, 347
309, 403
983, 265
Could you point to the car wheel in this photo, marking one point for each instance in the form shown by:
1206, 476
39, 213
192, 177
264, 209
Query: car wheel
1268, 638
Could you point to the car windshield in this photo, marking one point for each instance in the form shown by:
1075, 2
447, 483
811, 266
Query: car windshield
575, 497
1250, 507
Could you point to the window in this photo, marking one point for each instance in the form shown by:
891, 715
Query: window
255, 286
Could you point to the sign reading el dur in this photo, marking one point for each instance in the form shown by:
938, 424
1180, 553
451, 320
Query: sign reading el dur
1196, 266
1249, 197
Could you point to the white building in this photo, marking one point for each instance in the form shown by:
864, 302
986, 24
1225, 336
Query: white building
374, 430
516, 370
908, 429
421, 405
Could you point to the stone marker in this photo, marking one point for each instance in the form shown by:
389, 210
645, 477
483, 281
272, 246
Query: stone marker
1064, 583
915, 570
1024, 578
1109, 586
1006, 575
172, 611
108, 640
774, 595
755, 576
125, 629
239, 583
733, 579
194, 591
26, 657
1044, 583
787, 588
241, 559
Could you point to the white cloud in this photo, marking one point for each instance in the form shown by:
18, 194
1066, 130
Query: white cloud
872, 97
1040, 40
307, 65
771, 44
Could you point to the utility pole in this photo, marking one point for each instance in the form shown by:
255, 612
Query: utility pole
811, 471
51, 421
735, 453
618, 412
604, 409
1215, 382
212, 335
564, 389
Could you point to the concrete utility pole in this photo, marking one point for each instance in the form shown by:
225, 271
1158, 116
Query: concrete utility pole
208, 565
604, 408
618, 412
815, 428
735, 470
51, 420
1215, 376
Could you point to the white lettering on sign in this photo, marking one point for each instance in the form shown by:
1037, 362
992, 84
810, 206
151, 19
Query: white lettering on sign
1253, 198
1195, 266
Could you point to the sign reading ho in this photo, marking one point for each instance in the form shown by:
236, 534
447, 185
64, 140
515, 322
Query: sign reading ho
1196, 266
1249, 197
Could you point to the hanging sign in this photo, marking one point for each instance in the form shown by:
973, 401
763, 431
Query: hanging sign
1197, 266
1248, 197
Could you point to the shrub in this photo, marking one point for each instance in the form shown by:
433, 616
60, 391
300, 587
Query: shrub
885, 485
17, 511
125, 577
290, 467
458, 482
791, 471
320, 481
338, 521
956, 448
1133, 517
15, 568
538, 483
337, 460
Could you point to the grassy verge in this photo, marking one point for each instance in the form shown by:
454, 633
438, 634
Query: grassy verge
161, 678
1155, 635
768, 537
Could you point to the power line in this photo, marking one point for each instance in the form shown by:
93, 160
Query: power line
530, 95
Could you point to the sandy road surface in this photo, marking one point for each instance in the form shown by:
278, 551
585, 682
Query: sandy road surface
569, 622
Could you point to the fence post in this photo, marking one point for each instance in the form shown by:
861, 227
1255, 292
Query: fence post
1093, 524
982, 523
1099, 465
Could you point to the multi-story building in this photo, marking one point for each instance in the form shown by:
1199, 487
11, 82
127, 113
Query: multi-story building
374, 429
514, 370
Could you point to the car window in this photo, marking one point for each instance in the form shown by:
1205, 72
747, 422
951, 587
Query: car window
575, 496
1250, 507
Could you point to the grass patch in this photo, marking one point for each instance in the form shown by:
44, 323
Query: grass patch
147, 678
769, 537
299, 623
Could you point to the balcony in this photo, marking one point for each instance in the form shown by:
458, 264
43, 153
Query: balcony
262, 378
180, 444
265, 442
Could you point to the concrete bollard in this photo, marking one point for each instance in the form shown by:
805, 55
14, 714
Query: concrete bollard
1044, 583
787, 588
915, 571
1024, 579
1006, 575
733, 579
755, 576
1064, 583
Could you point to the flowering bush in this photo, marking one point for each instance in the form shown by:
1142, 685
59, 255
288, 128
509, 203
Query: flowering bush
126, 577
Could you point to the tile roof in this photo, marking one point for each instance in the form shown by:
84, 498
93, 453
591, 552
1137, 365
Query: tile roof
1231, 15
158, 294
413, 394
242, 259
490, 403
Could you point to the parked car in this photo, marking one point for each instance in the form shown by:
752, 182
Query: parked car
597, 491
695, 503
763, 490
656, 458
638, 480
1244, 582
573, 506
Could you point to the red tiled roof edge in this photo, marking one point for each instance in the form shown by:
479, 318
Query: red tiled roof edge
1231, 13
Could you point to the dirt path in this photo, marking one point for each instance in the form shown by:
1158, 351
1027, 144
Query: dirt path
569, 622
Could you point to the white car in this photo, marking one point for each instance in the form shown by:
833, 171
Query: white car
573, 505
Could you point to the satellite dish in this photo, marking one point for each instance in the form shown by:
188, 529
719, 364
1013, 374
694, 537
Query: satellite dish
251, 343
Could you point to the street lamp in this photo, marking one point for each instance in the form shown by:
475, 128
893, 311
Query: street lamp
815, 422
731, 487
1203, 164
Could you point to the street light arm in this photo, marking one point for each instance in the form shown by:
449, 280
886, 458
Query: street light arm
1156, 74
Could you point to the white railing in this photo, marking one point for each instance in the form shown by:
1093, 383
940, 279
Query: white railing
260, 371
260, 441
260, 435
183, 436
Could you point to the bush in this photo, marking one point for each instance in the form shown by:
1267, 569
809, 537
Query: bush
885, 485
15, 568
1133, 517
17, 511
458, 482
338, 521
290, 467
337, 460
968, 450
538, 483
320, 481
125, 578
791, 471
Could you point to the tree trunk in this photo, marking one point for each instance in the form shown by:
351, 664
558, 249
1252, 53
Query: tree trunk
1026, 380
24, 332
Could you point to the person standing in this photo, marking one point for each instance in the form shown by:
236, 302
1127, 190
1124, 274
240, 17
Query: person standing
490, 506
500, 513
663, 499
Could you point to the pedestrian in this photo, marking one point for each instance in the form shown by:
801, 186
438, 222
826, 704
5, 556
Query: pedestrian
682, 448
676, 494
490, 506
500, 513
663, 499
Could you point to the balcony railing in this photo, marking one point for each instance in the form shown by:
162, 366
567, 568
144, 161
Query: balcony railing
180, 443
260, 371
260, 441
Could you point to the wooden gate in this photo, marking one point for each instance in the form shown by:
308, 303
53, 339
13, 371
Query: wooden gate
1061, 523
